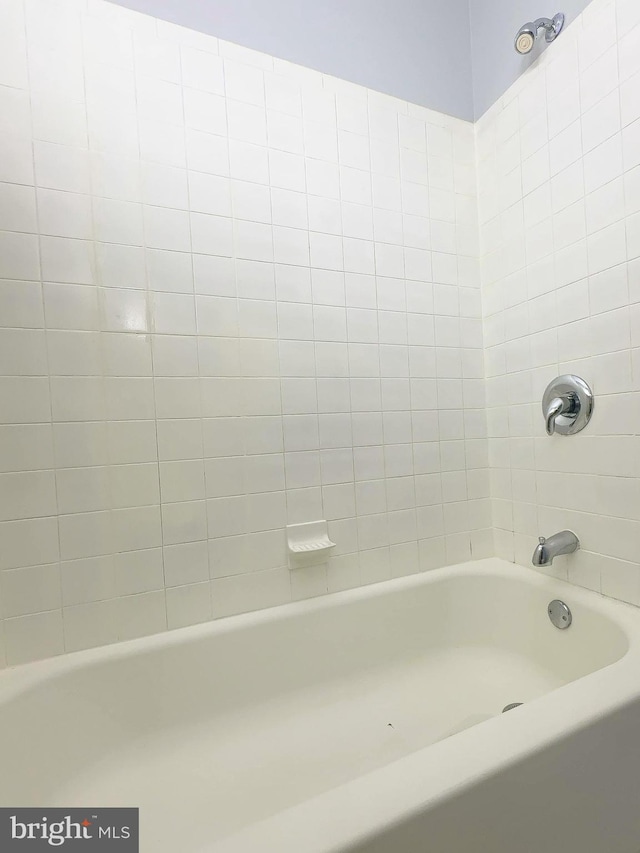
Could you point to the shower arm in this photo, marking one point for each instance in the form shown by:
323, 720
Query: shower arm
543, 23
551, 26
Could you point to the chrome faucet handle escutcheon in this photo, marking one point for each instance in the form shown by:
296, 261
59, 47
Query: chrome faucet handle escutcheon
567, 405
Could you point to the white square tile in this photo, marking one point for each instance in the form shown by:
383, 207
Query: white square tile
209, 194
249, 162
59, 120
247, 123
33, 637
287, 171
167, 229
202, 70
207, 153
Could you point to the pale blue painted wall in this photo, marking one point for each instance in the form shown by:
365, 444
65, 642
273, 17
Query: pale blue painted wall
418, 50
455, 56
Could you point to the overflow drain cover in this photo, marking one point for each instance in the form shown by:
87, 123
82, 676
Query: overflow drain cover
559, 614
511, 706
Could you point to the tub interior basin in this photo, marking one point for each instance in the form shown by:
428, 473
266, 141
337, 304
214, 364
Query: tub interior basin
238, 721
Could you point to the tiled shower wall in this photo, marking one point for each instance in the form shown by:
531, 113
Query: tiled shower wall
559, 193
234, 294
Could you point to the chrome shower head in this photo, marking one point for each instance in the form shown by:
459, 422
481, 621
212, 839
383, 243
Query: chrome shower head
527, 35
525, 39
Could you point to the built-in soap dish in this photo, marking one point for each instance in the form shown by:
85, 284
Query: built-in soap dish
310, 539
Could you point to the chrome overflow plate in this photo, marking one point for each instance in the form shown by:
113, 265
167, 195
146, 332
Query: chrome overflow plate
559, 614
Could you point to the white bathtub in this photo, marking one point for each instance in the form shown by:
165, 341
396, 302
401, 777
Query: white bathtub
365, 721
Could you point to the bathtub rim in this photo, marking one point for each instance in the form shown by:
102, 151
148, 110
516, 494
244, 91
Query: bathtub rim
20, 677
